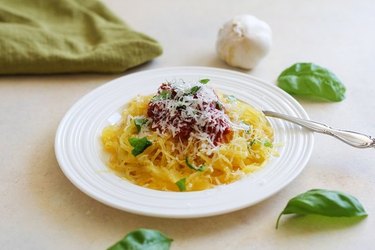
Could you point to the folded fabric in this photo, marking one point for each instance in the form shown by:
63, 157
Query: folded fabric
67, 36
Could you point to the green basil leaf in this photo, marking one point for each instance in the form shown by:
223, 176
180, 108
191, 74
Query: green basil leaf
308, 79
192, 166
324, 202
204, 81
139, 145
139, 122
181, 184
143, 239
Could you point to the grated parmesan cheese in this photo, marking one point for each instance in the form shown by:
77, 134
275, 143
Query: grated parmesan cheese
190, 110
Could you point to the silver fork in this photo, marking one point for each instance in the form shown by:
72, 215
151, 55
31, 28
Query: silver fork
354, 139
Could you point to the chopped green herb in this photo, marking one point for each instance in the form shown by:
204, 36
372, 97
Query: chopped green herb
143, 239
139, 122
181, 184
190, 165
139, 145
267, 144
204, 81
194, 90
163, 95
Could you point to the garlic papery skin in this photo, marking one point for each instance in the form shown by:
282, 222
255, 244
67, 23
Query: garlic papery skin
243, 41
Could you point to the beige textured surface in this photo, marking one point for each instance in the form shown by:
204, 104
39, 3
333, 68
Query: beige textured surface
41, 209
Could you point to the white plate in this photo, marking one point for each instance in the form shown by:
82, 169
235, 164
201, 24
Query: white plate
79, 151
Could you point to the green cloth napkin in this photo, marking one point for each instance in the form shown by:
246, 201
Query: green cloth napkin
67, 36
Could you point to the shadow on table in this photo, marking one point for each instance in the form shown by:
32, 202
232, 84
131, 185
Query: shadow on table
297, 224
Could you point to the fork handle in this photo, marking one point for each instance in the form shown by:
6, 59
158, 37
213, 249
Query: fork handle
350, 137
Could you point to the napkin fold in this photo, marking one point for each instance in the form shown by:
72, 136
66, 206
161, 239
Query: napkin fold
68, 36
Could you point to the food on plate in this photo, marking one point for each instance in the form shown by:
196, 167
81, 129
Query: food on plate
187, 137
243, 41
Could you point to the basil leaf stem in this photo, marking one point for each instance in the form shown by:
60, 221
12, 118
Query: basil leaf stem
143, 239
308, 79
192, 166
181, 184
324, 202
139, 145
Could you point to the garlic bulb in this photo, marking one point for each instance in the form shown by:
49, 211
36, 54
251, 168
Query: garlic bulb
243, 41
